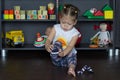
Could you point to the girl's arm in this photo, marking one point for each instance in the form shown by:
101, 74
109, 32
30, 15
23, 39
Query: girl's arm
70, 46
48, 45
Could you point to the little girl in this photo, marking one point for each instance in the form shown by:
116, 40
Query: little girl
67, 34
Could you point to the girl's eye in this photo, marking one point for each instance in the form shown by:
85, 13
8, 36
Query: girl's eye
69, 24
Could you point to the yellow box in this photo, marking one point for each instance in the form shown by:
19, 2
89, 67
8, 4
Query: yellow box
11, 16
108, 14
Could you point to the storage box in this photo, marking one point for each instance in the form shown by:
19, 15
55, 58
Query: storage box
108, 14
11, 16
5, 16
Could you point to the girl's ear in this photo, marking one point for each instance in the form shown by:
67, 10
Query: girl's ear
75, 22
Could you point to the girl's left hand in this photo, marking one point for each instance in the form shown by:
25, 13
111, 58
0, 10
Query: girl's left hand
61, 53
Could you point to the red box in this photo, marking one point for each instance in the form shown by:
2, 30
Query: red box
11, 11
6, 11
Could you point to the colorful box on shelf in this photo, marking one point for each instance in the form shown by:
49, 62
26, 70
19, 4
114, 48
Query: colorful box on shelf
29, 12
42, 7
8, 14
108, 14
40, 12
34, 16
17, 16
11, 16
42, 16
5, 16
16, 7
105, 13
22, 16
45, 12
22, 12
31, 16
34, 12
16, 12
11, 11
28, 16
52, 16
6, 11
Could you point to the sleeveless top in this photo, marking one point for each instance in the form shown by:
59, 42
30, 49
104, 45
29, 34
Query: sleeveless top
65, 36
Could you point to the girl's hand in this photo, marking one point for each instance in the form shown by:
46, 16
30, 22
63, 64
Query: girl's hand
49, 48
61, 53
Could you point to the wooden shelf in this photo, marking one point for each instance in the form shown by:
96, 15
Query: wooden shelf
82, 46
81, 18
28, 20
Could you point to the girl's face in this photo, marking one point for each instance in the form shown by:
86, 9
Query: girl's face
67, 22
48, 30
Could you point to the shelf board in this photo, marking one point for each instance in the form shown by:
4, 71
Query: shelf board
28, 20
81, 18
82, 46
25, 47
85, 46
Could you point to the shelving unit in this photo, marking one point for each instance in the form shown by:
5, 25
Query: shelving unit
31, 27
117, 27
86, 25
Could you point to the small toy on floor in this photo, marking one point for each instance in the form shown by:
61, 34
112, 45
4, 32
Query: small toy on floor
85, 68
57, 46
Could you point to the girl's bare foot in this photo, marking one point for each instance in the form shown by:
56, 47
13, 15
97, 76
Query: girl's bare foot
71, 71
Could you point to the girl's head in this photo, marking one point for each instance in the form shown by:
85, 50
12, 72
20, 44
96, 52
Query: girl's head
68, 16
48, 30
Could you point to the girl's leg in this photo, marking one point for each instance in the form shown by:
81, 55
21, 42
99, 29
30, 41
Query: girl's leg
71, 70
72, 61
59, 61
55, 59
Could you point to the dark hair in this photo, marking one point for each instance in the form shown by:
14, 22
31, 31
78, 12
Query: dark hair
70, 10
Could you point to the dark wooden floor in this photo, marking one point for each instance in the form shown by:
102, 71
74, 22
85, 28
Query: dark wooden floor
36, 65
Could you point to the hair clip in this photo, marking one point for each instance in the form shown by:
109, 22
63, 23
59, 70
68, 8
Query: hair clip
75, 11
64, 7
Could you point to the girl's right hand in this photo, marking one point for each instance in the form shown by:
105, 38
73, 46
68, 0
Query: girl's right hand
49, 48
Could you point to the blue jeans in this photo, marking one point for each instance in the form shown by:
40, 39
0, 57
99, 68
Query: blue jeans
64, 61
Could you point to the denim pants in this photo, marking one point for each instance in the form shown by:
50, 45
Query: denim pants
64, 61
